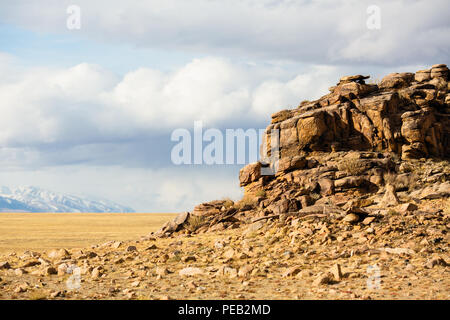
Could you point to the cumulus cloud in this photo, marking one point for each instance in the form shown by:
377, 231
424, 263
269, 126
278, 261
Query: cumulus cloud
88, 105
84, 128
317, 32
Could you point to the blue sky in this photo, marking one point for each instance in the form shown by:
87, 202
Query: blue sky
91, 111
69, 49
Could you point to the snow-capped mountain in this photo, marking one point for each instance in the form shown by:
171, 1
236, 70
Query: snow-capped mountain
34, 199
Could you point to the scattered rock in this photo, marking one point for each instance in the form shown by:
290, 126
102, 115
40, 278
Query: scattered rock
390, 197
291, 272
245, 271
351, 218
161, 271
131, 249
368, 220
19, 272
117, 244
188, 259
191, 271
23, 287
50, 271
323, 279
59, 254
436, 261
229, 254
97, 272
398, 251
337, 272
407, 207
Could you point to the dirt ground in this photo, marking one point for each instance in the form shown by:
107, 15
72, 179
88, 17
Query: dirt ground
44, 231
396, 256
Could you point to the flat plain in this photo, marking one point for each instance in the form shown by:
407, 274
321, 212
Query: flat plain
44, 231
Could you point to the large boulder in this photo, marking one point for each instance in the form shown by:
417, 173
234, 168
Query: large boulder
396, 80
310, 128
250, 173
287, 164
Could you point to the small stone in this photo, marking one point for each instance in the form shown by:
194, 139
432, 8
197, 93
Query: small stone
337, 272
230, 272
21, 288
59, 254
96, 273
254, 227
324, 278
117, 244
398, 250
191, 285
407, 207
291, 272
242, 256
353, 78
91, 254
390, 196
188, 259
131, 249
304, 274
245, 271
219, 244
351, 218
50, 271
368, 220
56, 294
229, 254
135, 284
62, 269
436, 261
190, 271
19, 272
152, 247
161, 271
31, 263
4, 265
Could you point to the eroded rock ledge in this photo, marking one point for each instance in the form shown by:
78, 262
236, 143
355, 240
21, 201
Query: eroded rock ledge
362, 145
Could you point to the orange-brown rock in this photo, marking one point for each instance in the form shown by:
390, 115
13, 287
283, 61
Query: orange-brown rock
407, 113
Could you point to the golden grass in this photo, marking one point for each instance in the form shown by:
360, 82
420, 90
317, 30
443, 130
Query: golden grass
44, 231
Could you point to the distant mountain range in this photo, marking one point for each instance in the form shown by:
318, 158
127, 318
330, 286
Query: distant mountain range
34, 199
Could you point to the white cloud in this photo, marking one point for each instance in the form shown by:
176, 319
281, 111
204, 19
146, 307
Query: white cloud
84, 129
203, 90
318, 32
273, 95
87, 104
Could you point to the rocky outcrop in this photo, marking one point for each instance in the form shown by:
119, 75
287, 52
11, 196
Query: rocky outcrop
406, 113
360, 146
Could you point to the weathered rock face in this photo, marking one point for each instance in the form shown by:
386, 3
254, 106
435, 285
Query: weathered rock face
250, 173
407, 113
360, 146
